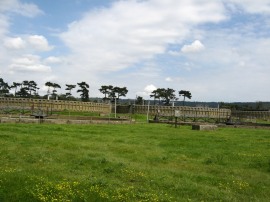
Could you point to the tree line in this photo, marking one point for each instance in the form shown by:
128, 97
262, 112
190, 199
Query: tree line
166, 96
29, 89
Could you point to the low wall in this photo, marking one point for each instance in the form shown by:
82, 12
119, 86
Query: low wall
63, 121
252, 114
52, 105
194, 113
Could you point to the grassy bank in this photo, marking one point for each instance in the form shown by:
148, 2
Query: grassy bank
139, 162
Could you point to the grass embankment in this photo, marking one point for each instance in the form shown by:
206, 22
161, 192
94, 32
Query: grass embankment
139, 162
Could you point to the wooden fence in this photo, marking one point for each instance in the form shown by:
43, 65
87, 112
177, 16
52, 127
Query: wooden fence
193, 113
252, 114
7, 104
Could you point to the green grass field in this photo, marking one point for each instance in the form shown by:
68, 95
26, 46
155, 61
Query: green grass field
137, 162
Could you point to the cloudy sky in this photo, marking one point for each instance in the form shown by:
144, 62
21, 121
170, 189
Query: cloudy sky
217, 49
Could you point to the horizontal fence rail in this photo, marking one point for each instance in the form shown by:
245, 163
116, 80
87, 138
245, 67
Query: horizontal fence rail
195, 113
186, 112
251, 114
52, 105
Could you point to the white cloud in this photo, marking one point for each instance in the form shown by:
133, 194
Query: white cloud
230, 68
250, 6
142, 94
174, 53
14, 43
7, 43
25, 9
39, 43
14, 6
3, 25
149, 88
130, 32
28, 63
16, 51
53, 60
196, 46
115, 45
147, 91
168, 79
30, 43
28, 10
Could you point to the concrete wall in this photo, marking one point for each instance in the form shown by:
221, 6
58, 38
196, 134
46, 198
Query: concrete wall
52, 105
61, 121
252, 114
184, 112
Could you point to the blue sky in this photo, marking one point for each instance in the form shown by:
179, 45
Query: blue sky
217, 49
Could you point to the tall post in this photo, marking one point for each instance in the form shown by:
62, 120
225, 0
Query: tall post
69, 108
218, 114
148, 111
115, 107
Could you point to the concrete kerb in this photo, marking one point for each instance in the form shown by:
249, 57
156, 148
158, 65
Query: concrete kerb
204, 127
60, 121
